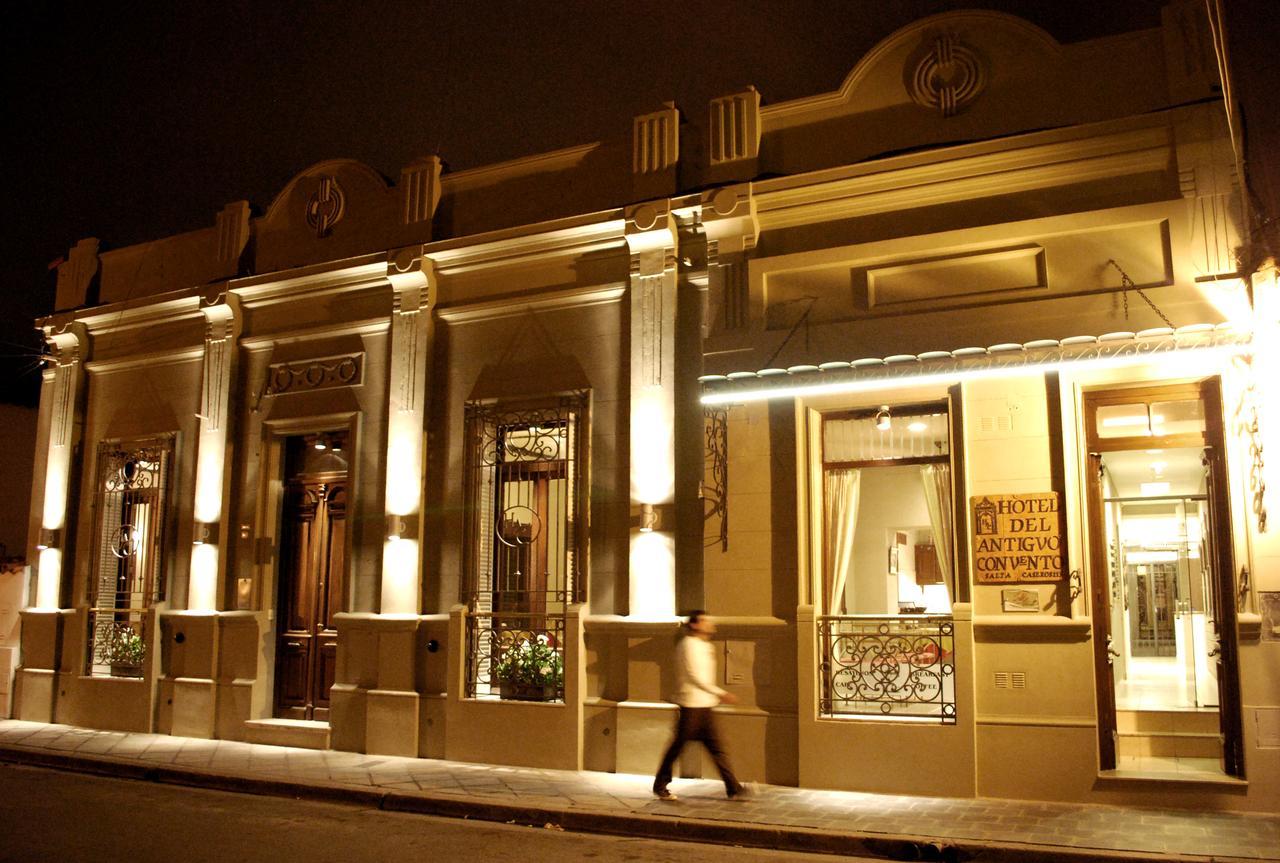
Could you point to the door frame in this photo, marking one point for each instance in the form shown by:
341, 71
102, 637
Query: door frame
269, 518
1213, 442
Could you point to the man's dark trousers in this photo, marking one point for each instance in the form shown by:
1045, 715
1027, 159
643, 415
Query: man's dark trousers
697, 723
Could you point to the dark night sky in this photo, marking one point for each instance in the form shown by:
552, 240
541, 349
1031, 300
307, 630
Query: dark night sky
130, 124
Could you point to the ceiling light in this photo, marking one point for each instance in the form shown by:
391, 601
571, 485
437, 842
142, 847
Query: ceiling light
320, 444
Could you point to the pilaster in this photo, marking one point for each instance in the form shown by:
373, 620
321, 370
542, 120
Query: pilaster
731, 227
653, 242
63, 386
411, 276
223, 322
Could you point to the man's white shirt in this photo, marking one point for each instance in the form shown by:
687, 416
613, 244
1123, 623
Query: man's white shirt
696, 673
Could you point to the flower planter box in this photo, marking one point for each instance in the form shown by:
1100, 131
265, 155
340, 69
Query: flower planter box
123, 670
512, 690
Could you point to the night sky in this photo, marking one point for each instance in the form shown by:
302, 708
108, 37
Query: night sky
129, 124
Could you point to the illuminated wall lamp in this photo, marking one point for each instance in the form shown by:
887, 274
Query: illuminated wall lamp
883, 421
647, 517
205, 533
50, 537
401, 527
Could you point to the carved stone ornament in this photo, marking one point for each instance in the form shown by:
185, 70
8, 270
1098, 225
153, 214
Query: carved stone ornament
945, 75
326, 206
312, 375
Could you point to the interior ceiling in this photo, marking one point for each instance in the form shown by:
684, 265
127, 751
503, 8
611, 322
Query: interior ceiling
1181, 468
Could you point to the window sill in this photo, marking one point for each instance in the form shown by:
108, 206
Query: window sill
1136, 776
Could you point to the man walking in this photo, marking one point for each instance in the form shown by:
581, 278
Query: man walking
696, 694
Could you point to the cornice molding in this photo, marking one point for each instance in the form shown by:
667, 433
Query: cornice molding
1023, 164
489, 175
151, 360
519, 304
529, 244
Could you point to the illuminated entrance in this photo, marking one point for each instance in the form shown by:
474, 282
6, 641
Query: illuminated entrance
1163, 606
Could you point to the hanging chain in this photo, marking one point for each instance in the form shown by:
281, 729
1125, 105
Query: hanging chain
1127, 285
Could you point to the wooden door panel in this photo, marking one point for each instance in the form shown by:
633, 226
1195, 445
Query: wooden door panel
326, 666
313, 562
336, 556
291, 671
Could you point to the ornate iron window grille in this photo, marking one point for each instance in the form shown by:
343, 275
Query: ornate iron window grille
525, 544
715, 495
492, 636
899, 667
131, 503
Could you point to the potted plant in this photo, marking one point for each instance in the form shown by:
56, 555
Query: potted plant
530, 670
124, 652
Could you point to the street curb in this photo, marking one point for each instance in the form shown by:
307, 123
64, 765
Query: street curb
666, 827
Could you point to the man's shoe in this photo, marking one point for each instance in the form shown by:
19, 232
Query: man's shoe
664, 794
745, 791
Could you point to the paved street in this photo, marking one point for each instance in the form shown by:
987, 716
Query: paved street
791, 818
121, 819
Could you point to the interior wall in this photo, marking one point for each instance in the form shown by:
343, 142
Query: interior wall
891, 498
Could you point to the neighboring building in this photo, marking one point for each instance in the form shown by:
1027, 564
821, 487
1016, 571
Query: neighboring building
327, 475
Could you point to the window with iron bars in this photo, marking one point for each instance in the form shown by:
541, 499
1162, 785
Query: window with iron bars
127, 574
525, 545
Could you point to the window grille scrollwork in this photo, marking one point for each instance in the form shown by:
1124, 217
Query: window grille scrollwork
899, 667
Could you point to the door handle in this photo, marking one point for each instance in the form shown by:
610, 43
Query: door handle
1112, 653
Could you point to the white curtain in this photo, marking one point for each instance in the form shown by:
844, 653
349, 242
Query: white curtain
937, 496
840, 517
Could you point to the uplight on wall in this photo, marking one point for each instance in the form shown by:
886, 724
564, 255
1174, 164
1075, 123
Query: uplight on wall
883, 420
49, 538
205, 534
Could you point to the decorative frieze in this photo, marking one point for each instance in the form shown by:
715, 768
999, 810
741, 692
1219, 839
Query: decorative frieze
318, 374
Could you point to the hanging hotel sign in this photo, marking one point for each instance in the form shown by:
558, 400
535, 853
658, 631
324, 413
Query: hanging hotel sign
1016, 538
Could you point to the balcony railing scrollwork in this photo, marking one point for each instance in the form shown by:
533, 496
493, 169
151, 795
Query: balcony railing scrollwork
899, 667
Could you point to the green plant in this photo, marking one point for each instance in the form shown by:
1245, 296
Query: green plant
533, 661
124, 647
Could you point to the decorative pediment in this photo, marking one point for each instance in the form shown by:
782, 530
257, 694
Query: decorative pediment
938, 65
341, 208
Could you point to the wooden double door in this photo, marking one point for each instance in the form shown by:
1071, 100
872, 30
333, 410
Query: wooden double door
312, 566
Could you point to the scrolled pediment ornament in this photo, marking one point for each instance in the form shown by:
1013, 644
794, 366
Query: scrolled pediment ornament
326, 206
945, 75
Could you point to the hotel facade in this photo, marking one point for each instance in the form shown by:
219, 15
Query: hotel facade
942, 391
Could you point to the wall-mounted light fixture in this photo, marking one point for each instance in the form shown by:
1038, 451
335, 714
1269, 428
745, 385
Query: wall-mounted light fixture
402, 527
205, 533
648, 517
319, 443
50, 537
883, 422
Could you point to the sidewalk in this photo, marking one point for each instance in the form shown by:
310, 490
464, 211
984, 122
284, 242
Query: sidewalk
779, 817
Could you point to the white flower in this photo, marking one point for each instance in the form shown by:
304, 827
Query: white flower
542, 639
